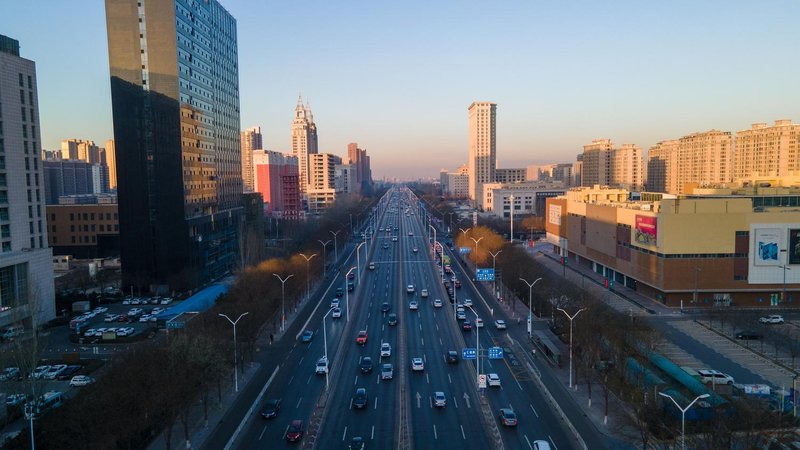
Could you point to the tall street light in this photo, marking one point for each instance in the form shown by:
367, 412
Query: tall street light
441, 259
325, 343
477, 347
494, 274
358, 258
235, 357
570, 340
530, 302
683, 415
476, 249
283, 298
511, 199
324, 256
465, 230
308, 277
783, 295
434, 236
347, 294
335, 247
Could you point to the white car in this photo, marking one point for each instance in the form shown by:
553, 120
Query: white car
81, 380
101, 309
417, 365
467, 302
500, 324
493, 379
410, 288
439, 399
394, 238
714, 377
166, 301
111, 318
541, 445
322, 366
413, 305
372, 266
337, 313
424, 293
39, 372
54, 371
772, 319
335, 303
386, 350
478, 322
437, 303
144, 318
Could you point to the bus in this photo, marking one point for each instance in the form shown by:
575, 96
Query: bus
48, 400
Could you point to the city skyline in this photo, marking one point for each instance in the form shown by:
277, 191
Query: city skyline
546, 69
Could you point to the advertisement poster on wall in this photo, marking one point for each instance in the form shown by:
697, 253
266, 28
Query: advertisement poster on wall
794, 246
554, 215
768, 244
645, 232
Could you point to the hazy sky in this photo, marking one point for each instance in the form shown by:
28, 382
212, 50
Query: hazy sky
397, 77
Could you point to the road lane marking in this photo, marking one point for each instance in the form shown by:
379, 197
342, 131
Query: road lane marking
252, 408
435, 435
351, 405
356, 381
534, 411
449, 379
262, 432
372, 435
427, 378
520, 386
437, 326
552, 441
309, 379
528, 441
422, 339
455, 401
462, 433
343, 434
301, 360
290, 380
440, 341
298, 402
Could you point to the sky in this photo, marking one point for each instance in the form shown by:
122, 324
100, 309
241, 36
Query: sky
397, 77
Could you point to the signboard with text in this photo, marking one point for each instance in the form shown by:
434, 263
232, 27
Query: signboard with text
469, 353
484, 274
495, 353
464, 250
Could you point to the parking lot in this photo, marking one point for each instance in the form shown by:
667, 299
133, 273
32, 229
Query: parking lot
126, 321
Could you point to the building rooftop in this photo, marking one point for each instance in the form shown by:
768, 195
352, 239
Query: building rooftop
8, 45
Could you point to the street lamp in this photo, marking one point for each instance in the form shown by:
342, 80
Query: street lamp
697, 271
441, 259
324, 256
335, 247
783, 295
347, 294
570, 340
465, 230
530, 302
358, 258
325, 343
308, 278
494, 274
235, 358
511, 199
434, 236
683, 415
476, 249
477, 348
283, 298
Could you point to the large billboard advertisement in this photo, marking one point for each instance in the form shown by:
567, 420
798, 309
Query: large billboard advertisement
645, 232
767, 247
794, 246
554, 215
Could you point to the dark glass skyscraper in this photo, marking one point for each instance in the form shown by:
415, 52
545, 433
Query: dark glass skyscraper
175, 98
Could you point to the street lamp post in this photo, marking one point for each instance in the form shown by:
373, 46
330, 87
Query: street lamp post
530, 302
235, 357
325, 343
511, 199
477, 348
449, 221
697, 271
283, 298
308, 277
683, 415
358, 258
783, 294
347, 294
434, 236
494, 273
324, 256
441, 260
465, 230
476, 249
335, 247
570, 339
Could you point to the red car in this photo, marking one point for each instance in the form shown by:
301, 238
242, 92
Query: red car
361, 339
351, 276
466, 326
508, 417
295, 431
458, 284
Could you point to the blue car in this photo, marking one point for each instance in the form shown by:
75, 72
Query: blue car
307, 335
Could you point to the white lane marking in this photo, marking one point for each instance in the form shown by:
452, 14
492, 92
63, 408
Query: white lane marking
552, 441
517, 381
449, 379
376, 402
427, 378
455, 401
290, 380
440, 341
262, 432
420, 327
309, 379
298, 402
534, 411
351, 404
369, 314
301, 361
343, 434
462, 433
437, 326
356, 381
422, 339
528, 441
372, 435
383, 327
435, 435
424, 358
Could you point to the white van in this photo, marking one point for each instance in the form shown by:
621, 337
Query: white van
714, 376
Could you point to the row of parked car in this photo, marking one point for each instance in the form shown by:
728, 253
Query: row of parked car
147, 301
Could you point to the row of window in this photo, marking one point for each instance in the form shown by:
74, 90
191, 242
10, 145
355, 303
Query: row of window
88, 216
102, 228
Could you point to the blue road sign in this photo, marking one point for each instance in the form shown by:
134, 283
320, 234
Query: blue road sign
484, 274
495, 353
469, 353
464, 250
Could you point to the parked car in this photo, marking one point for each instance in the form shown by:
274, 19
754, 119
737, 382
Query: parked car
15, 400
772, 319
67, 373
54, 371
295, 431
111, 318
81, 380
748, 335
714, 376
39, 372
10, 373
271, 409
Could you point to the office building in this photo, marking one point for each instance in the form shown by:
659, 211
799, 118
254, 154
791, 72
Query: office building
551, 172
766, 150
251, 140
304, 141
276, 178
346, 179
529, 197
27, 294
322, 189
605, 165
482, 161
456, 184
111, 162
175, 102
516, 175
84, 230
359, 158
73, 177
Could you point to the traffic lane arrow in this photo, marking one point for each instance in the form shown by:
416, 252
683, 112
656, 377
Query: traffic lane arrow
419, 398
466, 399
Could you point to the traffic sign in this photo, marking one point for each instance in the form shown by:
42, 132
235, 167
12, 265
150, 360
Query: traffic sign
495, 353
484, 274
482, 381
469, 353
464, 250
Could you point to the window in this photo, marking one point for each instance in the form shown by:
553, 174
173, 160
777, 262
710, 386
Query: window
71, 217
102, 228
71, 228
22, 96
73, 239
30, 82
55, 240
21, 82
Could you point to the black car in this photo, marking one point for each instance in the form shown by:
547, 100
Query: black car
350, 286
452, 357
67, 373
392, 319
366, 364
360, 399
339, 292
748, 335
357, 443
385, 307
272, 408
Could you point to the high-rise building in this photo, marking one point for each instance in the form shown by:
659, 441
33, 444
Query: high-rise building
662, 167
608, 166
695, 160
359, 158
276, 178
765, 150
84, 150
511, 175
251, 140
111, 162
175, 98
304, 140
346, 179
73, 177
551, 172
322, 189
482, 160
26, 262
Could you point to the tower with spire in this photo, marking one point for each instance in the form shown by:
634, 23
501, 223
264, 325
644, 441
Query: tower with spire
304, 140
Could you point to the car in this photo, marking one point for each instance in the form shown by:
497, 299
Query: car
372, 266
385, 245
457, 284
126, 331
410, 233
415, 249
111, 318
144, 318
460, 315
357, 443
360, 398
166, 301
365, 365
478, 322
10, 373
271, 408
307, 336
437, 303
350, 286
467, 302
322, 366
394, 238
67, 373
135, 312
493, 379
451, 357
295, 431
81, 380
748, 335
385, 307
339, 292
351, 276
410, 288
387, 372
101, 310
127, 301
15, 400
136, 301
439, 399
123, 318
386, 350
361, 339
424, 293
466, 326
337, 313
508, 417
714, 376
500, 324
39, 372
54, 371
417, 364
413, 305
392, 320
772, 319
541, 445
335, 303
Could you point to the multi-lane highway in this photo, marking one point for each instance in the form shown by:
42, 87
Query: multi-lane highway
401, 411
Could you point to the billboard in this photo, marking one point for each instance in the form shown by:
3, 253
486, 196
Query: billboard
554, 215
794, 246
767, 246
645, 232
